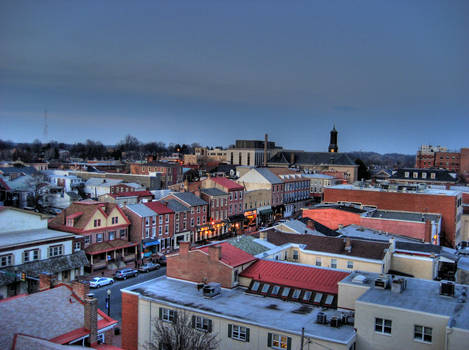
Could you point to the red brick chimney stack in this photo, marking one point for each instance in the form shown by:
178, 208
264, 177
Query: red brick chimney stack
214, 252
80, 289
348, 244
184, 248
45, 281
91, 319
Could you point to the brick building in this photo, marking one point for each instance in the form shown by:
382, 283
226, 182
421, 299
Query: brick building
170, 173
447, 203
429, 156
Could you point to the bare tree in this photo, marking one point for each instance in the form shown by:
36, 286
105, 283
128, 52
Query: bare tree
181, 333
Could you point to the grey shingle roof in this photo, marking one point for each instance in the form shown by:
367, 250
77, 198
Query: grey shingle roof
28, 170
314, 158
440, 174
269, 176
175, 205
213, 192
247, 244
189, 198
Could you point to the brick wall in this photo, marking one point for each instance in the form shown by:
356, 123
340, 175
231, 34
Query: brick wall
442, 204
416, 230
129, 321
135, 228
332, 218
464, 162
197, 266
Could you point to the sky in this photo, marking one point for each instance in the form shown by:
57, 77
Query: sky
391, 75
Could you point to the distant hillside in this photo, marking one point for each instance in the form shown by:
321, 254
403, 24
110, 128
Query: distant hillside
388, 160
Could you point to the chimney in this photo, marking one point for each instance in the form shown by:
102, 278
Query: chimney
214, 252
348, 244
310, 224
266, 140
184, 248
45, 281
263, 235
91, 319
186, 185
428, 231
80, 288
292, 158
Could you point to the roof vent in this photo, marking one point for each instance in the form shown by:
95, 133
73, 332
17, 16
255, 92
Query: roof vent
335, 322
321, 318
382, 282
211, 289
360, 279
447, 288
398, 285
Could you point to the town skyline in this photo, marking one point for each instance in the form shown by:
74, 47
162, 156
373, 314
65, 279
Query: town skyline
291, 71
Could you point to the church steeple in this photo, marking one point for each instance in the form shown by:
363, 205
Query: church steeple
333, 142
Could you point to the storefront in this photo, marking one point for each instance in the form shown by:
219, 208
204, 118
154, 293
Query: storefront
236, 224
250, 219
150, 248
265, 215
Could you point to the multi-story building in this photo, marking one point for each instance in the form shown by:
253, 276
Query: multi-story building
296, 189
149, 182
126, 198
196, 217
251, 152
170, 173
165, 221
28, 248
257, 207
264, 179
412, 198
182, 220
217, 211
429, 156
424, 176
95, 187
104, 228
318, 182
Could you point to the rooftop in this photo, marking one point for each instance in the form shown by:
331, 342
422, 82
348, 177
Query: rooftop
403, 215
50, 315
359, 232
248, 244
131, 194
14, 239
214, 192
159, 208
237, 305
140, 209
175, 205
227, 183
230, 254
313, 158
427, 191
189, 198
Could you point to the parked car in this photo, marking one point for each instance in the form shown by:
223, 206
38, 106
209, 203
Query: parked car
162, 260
149, 266
54, 211
100, 281
124, 273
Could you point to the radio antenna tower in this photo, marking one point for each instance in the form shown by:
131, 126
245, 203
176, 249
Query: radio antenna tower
45, 125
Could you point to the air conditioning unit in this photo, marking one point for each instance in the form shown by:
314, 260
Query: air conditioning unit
398, 285
382, 282
211, 289
321, 318
335, 322
447, 288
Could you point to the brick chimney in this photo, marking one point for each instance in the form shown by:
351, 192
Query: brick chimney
91, 319
184, 248
81, 289
265, 149
214, 252
263, 235
310, 224
45, 281
348, 244
428, 231
292, 158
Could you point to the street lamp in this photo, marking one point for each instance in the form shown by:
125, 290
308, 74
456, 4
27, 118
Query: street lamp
108, 301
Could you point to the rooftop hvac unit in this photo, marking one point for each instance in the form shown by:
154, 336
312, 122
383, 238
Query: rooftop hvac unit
382, 282
321, 318
211, 289
335, 322
398, 285
447, 288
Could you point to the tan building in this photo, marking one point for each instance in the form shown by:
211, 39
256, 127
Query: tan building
406, 313
257, 198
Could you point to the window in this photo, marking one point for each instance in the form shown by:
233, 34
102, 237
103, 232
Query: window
97, 222
55, 250
192, 210
160, 219
329, 299
422, 333
334, 263
115, 220
307, 295
296, 293
238, 332
231, 196
406, 174
166, 229
317, 297
318, 261
277, 341
147, 221
265, 288
77, 246
87, 240
415, 175
350, 264
198, 210
167, 218
26, 256
275, 290
203, 219
236, 195
255, 286
198, 219
192, 222
201, 323
383, 326
160, 230
99, 237
176, 216
153, 231
285, 291
153, 220
167, 314
424, 175
112, 235
6, 260
36, 252
432, 176
123, 233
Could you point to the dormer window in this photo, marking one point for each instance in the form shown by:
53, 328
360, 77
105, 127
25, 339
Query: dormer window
406, 174
70, 222
415, 175
433, 175
97, 222
424, 175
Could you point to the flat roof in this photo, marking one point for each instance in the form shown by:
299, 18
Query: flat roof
429, 191
12, 239
424, 296
235, 304
403, 215
355, 231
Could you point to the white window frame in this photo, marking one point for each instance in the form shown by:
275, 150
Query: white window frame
201, 323
279, 341
424, 332
56, 250
238, 332
333, 263
168, 315
350, 264
381, 326
6, 260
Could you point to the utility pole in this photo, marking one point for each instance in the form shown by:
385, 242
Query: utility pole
302, 337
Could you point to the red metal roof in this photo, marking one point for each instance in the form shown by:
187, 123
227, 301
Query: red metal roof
296, 276
231, 255
132, 194
158, 208
227, 183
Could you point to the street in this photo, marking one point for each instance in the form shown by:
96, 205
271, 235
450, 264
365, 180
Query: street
100, 293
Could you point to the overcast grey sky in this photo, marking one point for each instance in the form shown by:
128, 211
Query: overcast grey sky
390, 74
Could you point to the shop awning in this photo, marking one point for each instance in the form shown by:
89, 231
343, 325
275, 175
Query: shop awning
150, 243
265, 212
